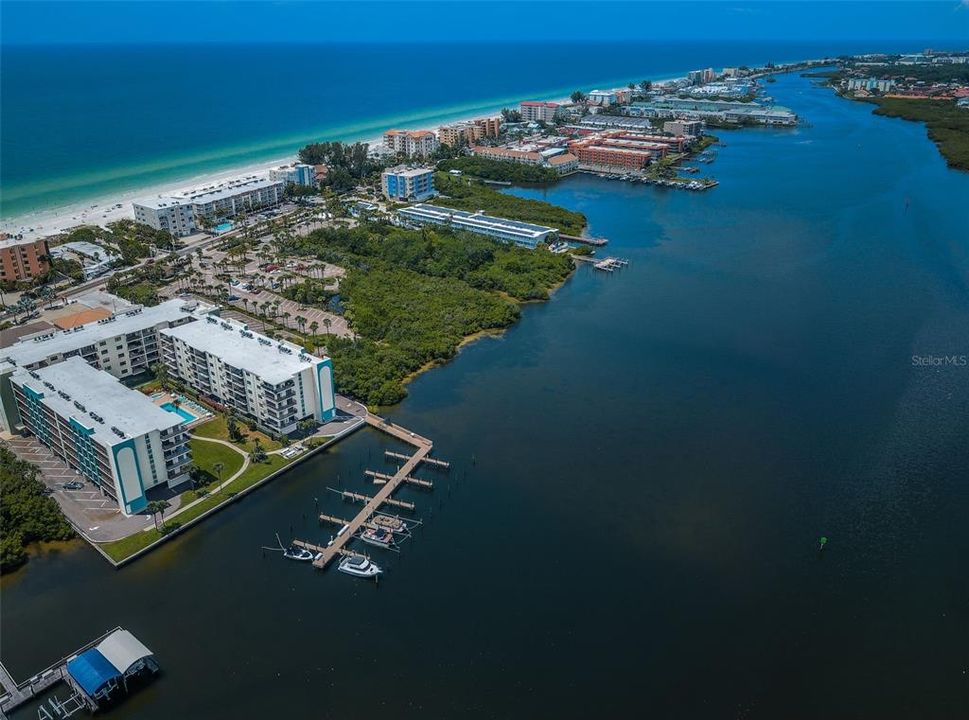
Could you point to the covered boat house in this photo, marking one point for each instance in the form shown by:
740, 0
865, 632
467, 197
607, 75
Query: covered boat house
109, 670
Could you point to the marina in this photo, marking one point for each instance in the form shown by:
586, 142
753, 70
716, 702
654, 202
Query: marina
369, 525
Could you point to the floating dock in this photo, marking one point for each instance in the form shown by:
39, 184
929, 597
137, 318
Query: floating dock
611, 264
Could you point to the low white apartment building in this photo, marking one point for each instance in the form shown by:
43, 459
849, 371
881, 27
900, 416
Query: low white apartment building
274, 383
166, 213
123, 344
114, 436
182, 212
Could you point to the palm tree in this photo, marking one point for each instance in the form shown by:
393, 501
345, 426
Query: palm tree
286, 316
219, 467
314, 326
301, 322
155, 507
326, 323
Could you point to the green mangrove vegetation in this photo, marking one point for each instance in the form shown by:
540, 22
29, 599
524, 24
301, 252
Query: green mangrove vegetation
500, 171
463, 193
27, 514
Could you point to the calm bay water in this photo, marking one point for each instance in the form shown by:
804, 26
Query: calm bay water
83, 122
655, 455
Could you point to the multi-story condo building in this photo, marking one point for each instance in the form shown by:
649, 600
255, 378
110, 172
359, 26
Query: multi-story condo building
538, 111
686, 128
490, 127
295, 174
564, 163
460, 133
116, 437
22, 259
123, 344
522, 234
412, 143
182, 212
276, 384
523, 157
405, 183
166, 213
602, 97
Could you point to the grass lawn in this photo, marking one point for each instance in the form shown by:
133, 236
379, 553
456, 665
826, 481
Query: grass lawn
216, 428
120, 549
205, 455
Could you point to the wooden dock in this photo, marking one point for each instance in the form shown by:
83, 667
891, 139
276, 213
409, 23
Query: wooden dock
350, 529
443, 464
427, 484
597, 242
358, 497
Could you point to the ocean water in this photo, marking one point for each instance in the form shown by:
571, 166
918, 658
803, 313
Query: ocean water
82, 122
642, 468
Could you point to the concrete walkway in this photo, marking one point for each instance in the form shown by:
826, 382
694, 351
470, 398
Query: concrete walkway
221, 486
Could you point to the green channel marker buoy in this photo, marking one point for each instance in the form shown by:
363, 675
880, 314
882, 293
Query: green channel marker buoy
824, 541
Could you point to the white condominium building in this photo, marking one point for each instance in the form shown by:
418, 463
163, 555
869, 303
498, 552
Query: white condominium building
182, 212
296, 174
412, 143
116, 437
274, 383
124, 344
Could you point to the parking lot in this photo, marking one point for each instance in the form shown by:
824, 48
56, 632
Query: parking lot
95, 514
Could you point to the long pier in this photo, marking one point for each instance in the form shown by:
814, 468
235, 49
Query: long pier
337, 546
598, 242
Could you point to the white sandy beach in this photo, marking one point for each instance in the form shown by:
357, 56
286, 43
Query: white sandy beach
104, 210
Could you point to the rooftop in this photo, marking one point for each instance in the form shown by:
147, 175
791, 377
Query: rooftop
209, 193
14, 240
406, 171
273, 361
475, 220
32, 349
97, 400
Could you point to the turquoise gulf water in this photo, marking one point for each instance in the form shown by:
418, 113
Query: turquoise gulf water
642, 469
83, 122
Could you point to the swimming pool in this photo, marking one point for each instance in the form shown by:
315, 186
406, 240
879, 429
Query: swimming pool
180, 411
223, 227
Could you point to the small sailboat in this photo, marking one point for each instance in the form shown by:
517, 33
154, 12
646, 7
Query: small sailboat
378, 538
359, 566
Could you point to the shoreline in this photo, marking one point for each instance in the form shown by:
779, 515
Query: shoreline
102, 209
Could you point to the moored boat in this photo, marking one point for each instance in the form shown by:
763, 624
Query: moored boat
386, 522
294, 552
378, 537
359, 566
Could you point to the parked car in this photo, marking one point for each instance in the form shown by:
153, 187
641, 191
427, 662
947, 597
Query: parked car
73, 485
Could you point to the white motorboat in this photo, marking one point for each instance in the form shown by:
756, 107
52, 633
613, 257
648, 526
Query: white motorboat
359, 566
378, 537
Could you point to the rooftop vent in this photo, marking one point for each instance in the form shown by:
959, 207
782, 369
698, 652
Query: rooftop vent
210, 319
79, 406
49, 386
116, 431
34, 375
